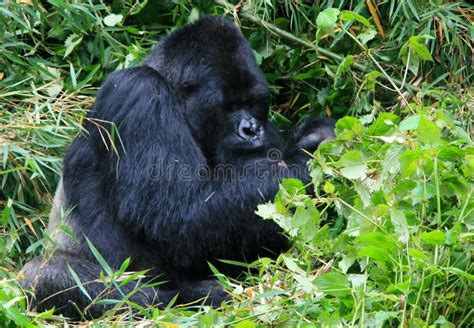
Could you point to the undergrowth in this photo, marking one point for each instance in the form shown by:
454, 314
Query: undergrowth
386, 239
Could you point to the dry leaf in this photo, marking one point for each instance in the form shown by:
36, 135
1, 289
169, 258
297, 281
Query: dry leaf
375, 16
30, 225
250, 293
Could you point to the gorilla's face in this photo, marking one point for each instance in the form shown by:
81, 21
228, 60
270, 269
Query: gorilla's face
224, 94
226, 116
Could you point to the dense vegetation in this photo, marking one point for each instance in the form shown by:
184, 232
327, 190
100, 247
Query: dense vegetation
386, 240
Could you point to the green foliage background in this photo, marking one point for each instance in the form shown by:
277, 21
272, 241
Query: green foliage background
386, 241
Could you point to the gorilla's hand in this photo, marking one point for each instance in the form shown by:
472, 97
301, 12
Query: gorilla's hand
311, 133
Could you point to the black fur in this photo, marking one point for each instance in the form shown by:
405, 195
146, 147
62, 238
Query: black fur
159, 194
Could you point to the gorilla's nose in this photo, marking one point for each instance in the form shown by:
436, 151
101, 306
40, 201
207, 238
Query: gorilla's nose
249, 128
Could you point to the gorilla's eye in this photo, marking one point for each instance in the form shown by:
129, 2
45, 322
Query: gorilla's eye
187, 88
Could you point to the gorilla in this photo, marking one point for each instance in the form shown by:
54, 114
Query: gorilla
143, 181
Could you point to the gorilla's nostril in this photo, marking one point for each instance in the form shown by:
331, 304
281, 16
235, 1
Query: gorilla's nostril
249, 131
249, 128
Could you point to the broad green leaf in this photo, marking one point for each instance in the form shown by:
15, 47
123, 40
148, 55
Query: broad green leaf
379, 241
412, 51
384, 123
305, 215
391, 162
291, 265
417, 254
436, 237
400, 224
428, 133
347, 128
382, 316
410, 123
112, 19
304, 282
453, 234
245, 324
375, 253
333, 283
410, 162
367, 36
266, 210
293, 186
420, 49
353, 165
413, 63
329, 188
326, 22
194, 15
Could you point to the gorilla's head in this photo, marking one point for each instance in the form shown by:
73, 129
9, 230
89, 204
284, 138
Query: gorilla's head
211, 67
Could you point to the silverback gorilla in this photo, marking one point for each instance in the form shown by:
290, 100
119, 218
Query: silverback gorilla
198, 102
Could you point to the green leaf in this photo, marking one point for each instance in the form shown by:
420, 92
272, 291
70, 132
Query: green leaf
417, 254
353, 165
326, 22
436, 237
379, 241
400, 224
78, 282
410, 123
384, 123
134, 276
420, 49
391, 161
333, 283
410, 162
112, 19
428, 133
291, 265
371, 79
245, 324
71, 42
374, 253
453, 234
123, 267
194, 15
103, 263
347, 128
367, 36
412, 51
293, 186
6, 212
329, 188
266, 210
347, 15
343, 67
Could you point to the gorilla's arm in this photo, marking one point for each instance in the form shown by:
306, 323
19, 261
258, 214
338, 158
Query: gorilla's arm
148, 183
